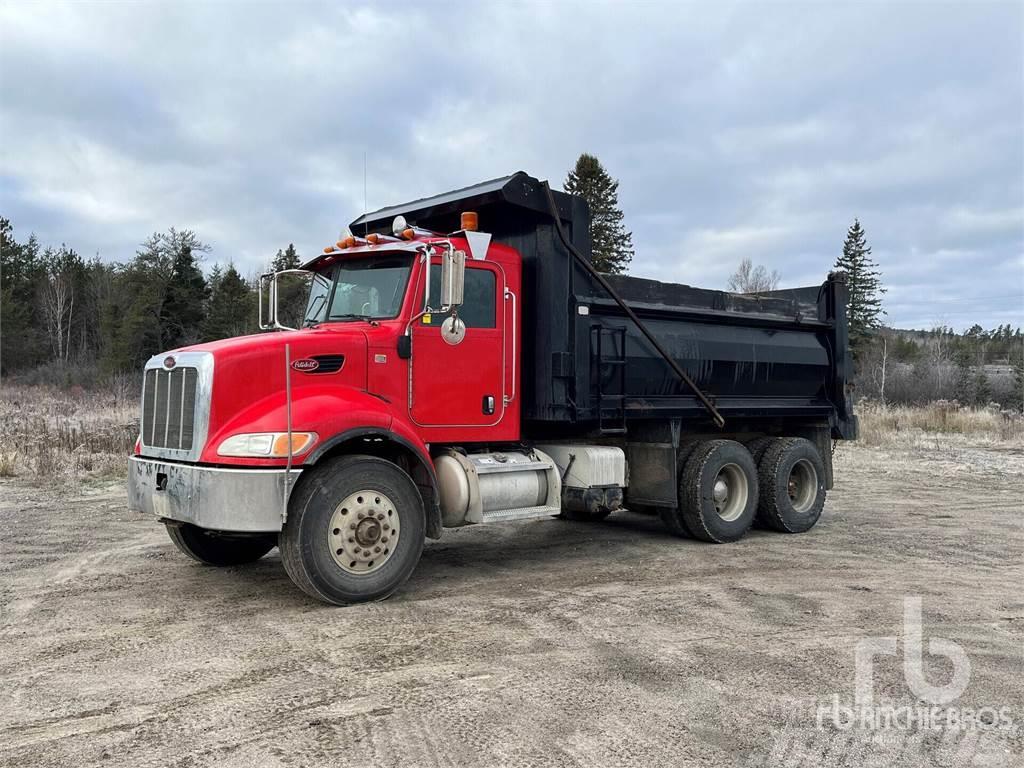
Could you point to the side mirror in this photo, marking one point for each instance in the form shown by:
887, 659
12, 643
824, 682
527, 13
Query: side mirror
272, 320
453, 278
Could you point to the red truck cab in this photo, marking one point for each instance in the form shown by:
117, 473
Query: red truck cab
352, 369
229, 427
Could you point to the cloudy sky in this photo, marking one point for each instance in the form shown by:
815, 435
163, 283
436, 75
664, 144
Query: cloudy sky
755, 129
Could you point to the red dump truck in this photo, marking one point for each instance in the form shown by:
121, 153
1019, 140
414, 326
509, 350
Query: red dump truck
461, 362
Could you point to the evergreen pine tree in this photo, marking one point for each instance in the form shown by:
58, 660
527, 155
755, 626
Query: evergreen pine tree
963, 389
291, 290
610, 243
1017, 361
232, 307
23, 343
982, 389
184, 307
863, 281
286, 259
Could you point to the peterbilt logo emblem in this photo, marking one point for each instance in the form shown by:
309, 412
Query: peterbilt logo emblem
306, 365
169, 361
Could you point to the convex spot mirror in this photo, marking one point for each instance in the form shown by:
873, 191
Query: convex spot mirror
453, 277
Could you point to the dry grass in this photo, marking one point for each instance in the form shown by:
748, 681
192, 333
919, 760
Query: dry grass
886, 424
49, 434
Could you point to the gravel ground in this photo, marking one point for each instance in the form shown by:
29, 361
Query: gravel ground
538, 643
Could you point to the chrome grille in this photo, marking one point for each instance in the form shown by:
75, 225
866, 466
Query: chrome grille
169, 407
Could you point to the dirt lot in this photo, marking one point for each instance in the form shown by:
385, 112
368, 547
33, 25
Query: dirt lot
539, 643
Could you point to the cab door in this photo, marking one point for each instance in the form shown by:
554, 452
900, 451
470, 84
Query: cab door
461, 384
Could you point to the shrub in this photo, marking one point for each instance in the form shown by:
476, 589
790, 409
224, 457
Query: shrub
50, 433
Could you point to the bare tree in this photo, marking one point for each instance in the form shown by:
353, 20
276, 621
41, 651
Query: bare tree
874, 369
935, 373
885, 360
58, 307
750, 279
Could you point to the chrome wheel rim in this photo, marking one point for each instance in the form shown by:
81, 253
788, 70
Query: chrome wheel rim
363, 532
730, 492
802, 485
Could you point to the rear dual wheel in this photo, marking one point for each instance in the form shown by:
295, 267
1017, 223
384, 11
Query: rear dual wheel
791, 474
717, 493
724, 486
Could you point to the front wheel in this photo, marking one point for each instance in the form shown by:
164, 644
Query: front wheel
211, 548
355, 530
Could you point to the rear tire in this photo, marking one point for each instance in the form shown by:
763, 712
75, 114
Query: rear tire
791, 477
220, 550
672, 519
355, 530
758, 446
718, 492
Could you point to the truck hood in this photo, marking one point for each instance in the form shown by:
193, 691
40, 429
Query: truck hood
249, 372
272, 341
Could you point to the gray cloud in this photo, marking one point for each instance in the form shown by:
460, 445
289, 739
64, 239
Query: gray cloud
747, 130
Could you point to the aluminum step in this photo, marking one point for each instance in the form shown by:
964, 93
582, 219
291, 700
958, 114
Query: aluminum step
521, 513
493, 468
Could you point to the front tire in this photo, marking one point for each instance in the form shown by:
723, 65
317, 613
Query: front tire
220, 550
355, 530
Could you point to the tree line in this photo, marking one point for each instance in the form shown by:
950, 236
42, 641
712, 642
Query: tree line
56, 305
978, 367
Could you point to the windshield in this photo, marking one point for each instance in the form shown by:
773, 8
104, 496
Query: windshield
371, 288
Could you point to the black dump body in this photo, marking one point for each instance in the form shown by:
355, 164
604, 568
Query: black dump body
775, 363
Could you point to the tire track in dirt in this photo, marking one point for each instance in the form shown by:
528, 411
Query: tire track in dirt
545, 643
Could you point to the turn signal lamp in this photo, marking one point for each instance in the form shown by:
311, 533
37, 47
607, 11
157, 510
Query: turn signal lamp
300, 442
266, 444
469, 221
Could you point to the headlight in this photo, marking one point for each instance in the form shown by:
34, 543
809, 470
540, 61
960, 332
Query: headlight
266, 444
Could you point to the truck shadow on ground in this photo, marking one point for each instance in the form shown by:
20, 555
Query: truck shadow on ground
464, 556
526, 546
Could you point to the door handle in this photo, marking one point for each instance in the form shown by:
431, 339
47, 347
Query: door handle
488, 405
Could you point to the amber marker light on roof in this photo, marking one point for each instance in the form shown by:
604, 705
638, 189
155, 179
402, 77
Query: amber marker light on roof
408, 234
470, 222
373, 239
328, 249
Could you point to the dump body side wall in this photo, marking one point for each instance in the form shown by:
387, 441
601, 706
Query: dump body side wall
756, 358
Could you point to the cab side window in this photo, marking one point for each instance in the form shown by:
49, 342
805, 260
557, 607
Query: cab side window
478, 300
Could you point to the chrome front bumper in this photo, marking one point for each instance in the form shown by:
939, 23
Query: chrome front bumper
210, 497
